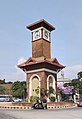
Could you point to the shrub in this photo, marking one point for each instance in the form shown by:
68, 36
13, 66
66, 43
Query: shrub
52, 99
33, 99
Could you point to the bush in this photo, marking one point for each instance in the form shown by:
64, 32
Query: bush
64, 97
52, 99
33, 99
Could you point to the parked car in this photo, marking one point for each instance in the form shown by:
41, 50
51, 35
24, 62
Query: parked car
9, 101
79, 104
4, 98
17, 100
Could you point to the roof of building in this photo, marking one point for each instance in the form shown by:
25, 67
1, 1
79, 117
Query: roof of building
32, 61
40, 23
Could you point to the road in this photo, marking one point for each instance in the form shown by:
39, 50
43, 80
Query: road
70, 113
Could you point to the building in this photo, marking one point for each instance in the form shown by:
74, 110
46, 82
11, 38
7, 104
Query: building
41, 70
63, 80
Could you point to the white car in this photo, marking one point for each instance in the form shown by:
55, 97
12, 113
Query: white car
17, 100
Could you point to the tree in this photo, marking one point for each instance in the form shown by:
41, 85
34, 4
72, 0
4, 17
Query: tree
67, 84
15, 89
2, 90
23, 89
2, 81
79, 75
9, 82
75, 83
19, 89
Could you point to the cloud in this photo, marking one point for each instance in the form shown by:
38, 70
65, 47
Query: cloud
21, 60
71, 71
18, 74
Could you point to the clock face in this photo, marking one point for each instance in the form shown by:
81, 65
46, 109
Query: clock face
46, 34
37, 34
40, 33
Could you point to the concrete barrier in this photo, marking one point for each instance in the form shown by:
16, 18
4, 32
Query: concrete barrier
28, 106
58, 105
15, 107
10, 105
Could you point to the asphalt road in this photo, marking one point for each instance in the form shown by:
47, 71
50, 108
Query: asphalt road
70, 113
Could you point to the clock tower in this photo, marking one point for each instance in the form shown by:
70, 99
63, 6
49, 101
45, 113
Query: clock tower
41, 70
41, 32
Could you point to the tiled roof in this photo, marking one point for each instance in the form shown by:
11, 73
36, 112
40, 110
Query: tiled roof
32, 60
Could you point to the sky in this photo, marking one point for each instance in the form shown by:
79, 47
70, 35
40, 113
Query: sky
15, 39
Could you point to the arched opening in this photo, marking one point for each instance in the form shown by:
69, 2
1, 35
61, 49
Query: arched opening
34, 83
51, 82
35, 86
51, 87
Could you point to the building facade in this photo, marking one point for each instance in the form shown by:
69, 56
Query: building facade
41, 70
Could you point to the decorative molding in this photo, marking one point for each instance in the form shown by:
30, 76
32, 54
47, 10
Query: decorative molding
42, 69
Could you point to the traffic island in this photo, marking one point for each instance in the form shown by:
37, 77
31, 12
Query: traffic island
17, 105
57, 105
28, 106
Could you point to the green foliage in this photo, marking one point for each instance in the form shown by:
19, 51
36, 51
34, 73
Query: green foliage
2, 81
44, 92
79, 75
19, 89
75, 83
67, 84
63, 95
52, 99
23, 89
33, 99
37, 90
9, 82
2, 90
51, 90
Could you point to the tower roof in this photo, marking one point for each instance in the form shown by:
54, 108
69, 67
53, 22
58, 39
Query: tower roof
53, 62
40, 23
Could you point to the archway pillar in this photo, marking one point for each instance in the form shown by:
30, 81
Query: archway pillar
56, 89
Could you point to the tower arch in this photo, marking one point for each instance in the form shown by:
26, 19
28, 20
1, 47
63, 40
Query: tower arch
34, 83
51, 82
